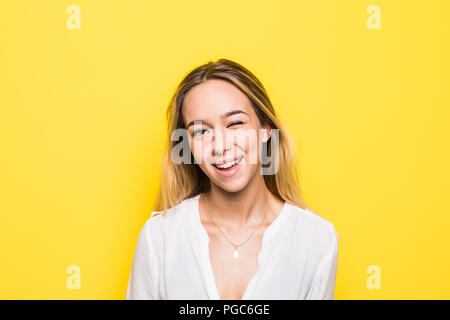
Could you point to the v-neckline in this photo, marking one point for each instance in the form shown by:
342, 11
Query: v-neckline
213, 291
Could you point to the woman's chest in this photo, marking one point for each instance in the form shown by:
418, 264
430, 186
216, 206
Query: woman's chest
233, 272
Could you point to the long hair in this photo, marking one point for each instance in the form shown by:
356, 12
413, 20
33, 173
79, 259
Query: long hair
182, 181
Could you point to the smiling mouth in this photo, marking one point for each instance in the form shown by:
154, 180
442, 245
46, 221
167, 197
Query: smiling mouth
228, 164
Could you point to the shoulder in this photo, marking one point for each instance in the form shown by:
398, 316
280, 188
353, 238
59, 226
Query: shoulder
318, 232
159, 221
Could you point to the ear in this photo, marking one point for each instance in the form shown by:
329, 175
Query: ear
267, 132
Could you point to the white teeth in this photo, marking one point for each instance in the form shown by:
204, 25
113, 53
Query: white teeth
227, 165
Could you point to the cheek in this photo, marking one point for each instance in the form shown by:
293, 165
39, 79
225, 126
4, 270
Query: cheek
249, 144
200, 150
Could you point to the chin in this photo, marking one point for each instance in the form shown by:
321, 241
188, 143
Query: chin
233, 185
233, 188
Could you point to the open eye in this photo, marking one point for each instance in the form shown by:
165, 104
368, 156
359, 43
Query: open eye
196, 132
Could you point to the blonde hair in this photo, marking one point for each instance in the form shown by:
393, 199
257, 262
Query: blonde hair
182, 181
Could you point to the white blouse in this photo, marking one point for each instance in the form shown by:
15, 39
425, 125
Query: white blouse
297, 259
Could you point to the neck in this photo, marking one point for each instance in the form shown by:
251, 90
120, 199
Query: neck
236, 211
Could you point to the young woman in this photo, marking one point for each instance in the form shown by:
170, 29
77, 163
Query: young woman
229, 224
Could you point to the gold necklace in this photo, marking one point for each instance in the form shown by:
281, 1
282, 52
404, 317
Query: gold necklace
235, 253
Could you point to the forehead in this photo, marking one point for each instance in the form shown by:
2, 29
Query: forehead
213, 98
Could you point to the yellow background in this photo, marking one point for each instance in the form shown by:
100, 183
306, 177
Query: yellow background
82, 125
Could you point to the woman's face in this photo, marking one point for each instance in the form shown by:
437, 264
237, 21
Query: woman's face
227, 130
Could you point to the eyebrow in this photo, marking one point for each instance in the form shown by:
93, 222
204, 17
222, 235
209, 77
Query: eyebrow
225, 115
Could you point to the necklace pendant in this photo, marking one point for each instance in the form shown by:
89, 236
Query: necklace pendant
236, 254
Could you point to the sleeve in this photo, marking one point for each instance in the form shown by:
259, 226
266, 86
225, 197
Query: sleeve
143, 278
324, 281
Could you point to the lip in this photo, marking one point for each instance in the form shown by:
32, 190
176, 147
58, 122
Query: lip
230, 172
229, 160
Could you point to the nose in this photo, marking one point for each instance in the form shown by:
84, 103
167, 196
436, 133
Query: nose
221, 144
